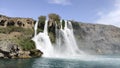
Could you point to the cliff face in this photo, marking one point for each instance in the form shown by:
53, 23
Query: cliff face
16, 21
97, 38
15, 38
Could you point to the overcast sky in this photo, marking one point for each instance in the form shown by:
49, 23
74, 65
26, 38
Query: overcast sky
91, 11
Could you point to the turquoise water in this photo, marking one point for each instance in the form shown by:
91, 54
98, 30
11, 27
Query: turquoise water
100, 62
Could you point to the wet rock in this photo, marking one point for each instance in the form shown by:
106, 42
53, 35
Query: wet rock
35, 53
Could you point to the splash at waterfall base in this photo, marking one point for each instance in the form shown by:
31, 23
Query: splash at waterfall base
65, 44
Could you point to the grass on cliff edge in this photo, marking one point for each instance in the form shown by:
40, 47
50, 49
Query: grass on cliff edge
24, 40
27, 44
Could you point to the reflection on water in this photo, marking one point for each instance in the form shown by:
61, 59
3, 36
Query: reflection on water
104, 62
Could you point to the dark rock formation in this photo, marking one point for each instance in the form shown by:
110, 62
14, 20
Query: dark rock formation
97, 38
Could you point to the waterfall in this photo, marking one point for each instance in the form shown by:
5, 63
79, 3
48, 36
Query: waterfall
46, 27
35, 28
65, 45
43, 42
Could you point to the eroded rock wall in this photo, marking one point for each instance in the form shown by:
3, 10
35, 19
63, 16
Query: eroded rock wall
16, 21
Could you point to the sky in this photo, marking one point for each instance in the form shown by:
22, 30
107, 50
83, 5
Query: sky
90, 11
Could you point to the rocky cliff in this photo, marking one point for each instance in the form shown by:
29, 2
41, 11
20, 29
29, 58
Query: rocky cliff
16, 21
15, 38
97, 38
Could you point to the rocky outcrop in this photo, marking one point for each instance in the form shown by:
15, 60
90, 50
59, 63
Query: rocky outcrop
97, 38
16, 21
10, 50
15, 38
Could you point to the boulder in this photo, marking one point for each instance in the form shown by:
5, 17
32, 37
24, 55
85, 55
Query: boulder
35, 53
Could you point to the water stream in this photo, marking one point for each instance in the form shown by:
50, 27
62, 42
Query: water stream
65, 42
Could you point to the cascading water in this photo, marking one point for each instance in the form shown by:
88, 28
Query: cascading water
43, 43
65, 42
35, 28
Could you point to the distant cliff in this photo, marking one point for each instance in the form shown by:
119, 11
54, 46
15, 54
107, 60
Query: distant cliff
97, 38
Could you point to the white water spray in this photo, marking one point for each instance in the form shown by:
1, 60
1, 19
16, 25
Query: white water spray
65, 42
35, 28
43, 43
